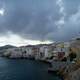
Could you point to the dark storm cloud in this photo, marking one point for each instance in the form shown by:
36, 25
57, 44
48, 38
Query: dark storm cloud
30, 17
35, 19
71, 6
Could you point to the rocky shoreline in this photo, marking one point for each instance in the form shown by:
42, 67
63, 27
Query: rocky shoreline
71, 72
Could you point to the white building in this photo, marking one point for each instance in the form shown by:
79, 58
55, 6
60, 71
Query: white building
13, 53
27, 51
45, 51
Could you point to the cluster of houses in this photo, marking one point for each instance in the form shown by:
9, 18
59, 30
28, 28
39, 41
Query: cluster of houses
54, 51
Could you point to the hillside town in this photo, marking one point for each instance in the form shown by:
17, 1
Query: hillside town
57, 51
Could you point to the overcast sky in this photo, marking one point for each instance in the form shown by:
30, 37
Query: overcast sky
38, 20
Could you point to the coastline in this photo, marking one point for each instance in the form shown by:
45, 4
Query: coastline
71, 72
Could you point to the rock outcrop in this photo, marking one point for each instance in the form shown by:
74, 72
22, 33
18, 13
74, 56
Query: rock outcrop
71, 72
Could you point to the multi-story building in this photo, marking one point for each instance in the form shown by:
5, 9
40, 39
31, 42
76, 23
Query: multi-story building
13, 53
61, 50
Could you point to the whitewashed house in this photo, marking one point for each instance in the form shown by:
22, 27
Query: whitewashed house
13, 53
41, 52
45, 51
35, 52
24, 52
27, 51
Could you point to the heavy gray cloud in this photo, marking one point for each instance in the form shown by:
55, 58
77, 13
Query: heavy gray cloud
35, 19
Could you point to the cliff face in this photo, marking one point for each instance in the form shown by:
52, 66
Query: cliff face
74, 75
72, 72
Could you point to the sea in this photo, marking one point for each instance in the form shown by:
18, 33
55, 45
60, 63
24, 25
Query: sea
24, 69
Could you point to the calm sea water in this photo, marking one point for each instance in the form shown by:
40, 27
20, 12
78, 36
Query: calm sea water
24, 70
